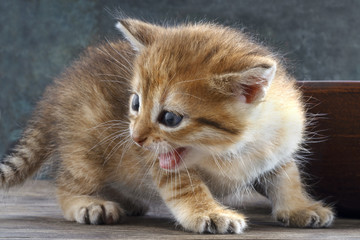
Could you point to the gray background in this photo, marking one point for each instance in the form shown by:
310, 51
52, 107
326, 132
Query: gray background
319, 39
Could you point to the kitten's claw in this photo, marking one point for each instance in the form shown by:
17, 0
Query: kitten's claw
210, 226
225, 221
314, 216
97, 214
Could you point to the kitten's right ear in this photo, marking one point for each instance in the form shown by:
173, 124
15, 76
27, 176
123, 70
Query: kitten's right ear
138, 33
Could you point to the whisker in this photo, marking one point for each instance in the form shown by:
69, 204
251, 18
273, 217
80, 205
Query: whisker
117, 62
104, 123
188, 94
191, 80
116, 147
121, 55
115, 138
107, 138
127, 147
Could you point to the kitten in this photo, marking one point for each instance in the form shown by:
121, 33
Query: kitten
188, 114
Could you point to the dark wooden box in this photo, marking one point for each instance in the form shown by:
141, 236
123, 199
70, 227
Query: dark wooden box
334, 162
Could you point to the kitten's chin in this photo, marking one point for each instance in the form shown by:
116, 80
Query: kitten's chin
172, 160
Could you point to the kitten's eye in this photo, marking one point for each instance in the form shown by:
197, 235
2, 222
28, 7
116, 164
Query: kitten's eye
135, 104
170, 119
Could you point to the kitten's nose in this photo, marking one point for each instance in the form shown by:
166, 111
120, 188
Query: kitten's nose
139, 140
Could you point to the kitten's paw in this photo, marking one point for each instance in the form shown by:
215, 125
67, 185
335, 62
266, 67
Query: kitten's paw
314, 216
106, 213
224, 221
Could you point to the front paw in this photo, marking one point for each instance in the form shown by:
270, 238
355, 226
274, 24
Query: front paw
96, 213
314, 216
220, 221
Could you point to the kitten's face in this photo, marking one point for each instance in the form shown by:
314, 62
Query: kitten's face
173, 117
182, 104
177, 116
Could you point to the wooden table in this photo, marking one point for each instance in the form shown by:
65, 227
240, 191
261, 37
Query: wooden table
31, 212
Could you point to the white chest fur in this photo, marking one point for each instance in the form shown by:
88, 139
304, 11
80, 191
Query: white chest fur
269, 143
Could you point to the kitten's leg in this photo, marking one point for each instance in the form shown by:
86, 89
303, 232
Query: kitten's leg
79, 199
291, 204
193, 206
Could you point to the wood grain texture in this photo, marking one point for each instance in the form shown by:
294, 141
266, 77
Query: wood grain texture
334, 165
32, 212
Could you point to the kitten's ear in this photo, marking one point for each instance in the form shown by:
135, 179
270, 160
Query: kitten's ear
248, 86
138, 33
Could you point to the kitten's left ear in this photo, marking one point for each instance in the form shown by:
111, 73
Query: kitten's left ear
250, 85
138, 33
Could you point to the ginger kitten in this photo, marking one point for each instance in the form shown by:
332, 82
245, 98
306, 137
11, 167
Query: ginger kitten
188, 114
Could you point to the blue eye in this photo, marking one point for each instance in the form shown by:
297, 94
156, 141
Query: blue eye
170, 119
135, 104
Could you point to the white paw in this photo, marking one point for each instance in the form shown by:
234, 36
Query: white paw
224, 221
106, 213
314, 216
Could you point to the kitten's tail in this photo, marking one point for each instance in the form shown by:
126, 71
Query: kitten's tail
27, 157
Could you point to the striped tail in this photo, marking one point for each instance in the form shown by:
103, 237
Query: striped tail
27, 157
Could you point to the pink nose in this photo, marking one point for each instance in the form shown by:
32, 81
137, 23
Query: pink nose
139, 140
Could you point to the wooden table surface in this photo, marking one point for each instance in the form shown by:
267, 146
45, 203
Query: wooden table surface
31, 212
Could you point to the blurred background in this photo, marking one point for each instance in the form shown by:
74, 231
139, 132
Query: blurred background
320, 40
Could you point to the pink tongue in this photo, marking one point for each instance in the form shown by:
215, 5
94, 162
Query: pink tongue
171, 159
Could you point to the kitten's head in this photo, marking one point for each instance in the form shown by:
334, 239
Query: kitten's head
194, 88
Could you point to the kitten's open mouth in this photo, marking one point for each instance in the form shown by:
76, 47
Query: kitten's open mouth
171, 160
